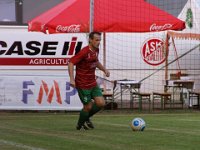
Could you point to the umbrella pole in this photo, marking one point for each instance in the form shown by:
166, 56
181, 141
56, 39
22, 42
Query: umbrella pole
104, 57
166, 60
104, 49
91, 14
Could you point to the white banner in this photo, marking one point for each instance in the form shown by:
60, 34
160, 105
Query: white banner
37, 93
39, 51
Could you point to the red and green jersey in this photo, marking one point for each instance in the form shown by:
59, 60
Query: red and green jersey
86, 62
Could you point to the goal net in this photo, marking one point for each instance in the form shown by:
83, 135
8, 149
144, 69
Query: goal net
153, 58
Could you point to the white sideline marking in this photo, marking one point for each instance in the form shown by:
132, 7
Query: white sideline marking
153, 129
19, 145
190, 120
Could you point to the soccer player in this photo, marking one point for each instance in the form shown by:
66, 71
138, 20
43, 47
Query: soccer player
90, 94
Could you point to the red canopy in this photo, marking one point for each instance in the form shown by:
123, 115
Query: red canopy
109, 16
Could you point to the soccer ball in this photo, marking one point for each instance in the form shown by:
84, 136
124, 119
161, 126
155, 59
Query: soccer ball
138, 124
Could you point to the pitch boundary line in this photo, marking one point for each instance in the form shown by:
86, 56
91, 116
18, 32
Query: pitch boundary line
152, 129
6, 142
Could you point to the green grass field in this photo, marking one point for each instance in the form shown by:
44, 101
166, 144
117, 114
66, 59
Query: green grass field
56, 131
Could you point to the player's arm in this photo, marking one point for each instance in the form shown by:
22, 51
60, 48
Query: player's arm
102, 68
71, 74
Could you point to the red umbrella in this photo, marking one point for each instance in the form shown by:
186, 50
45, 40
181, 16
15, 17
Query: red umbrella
109, 16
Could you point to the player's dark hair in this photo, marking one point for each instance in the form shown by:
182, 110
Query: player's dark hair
91, 35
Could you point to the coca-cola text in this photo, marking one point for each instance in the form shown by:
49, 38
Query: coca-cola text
155, 27
70, 29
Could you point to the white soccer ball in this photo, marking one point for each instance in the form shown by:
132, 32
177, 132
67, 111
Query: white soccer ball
138, 124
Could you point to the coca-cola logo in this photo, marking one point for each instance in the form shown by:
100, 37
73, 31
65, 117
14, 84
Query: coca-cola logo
70, 29
153, 52
155, 27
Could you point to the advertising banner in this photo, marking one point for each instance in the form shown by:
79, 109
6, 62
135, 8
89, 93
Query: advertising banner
38, 50
37, 93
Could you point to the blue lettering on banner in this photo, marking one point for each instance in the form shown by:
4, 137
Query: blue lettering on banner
26, 91
69, 93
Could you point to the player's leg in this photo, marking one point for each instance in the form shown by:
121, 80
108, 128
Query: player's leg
83, 116
97, 105
85, 98
98, 101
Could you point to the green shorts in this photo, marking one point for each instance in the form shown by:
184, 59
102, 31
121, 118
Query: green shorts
86, 95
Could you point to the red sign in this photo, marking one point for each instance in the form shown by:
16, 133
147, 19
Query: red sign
153, 52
